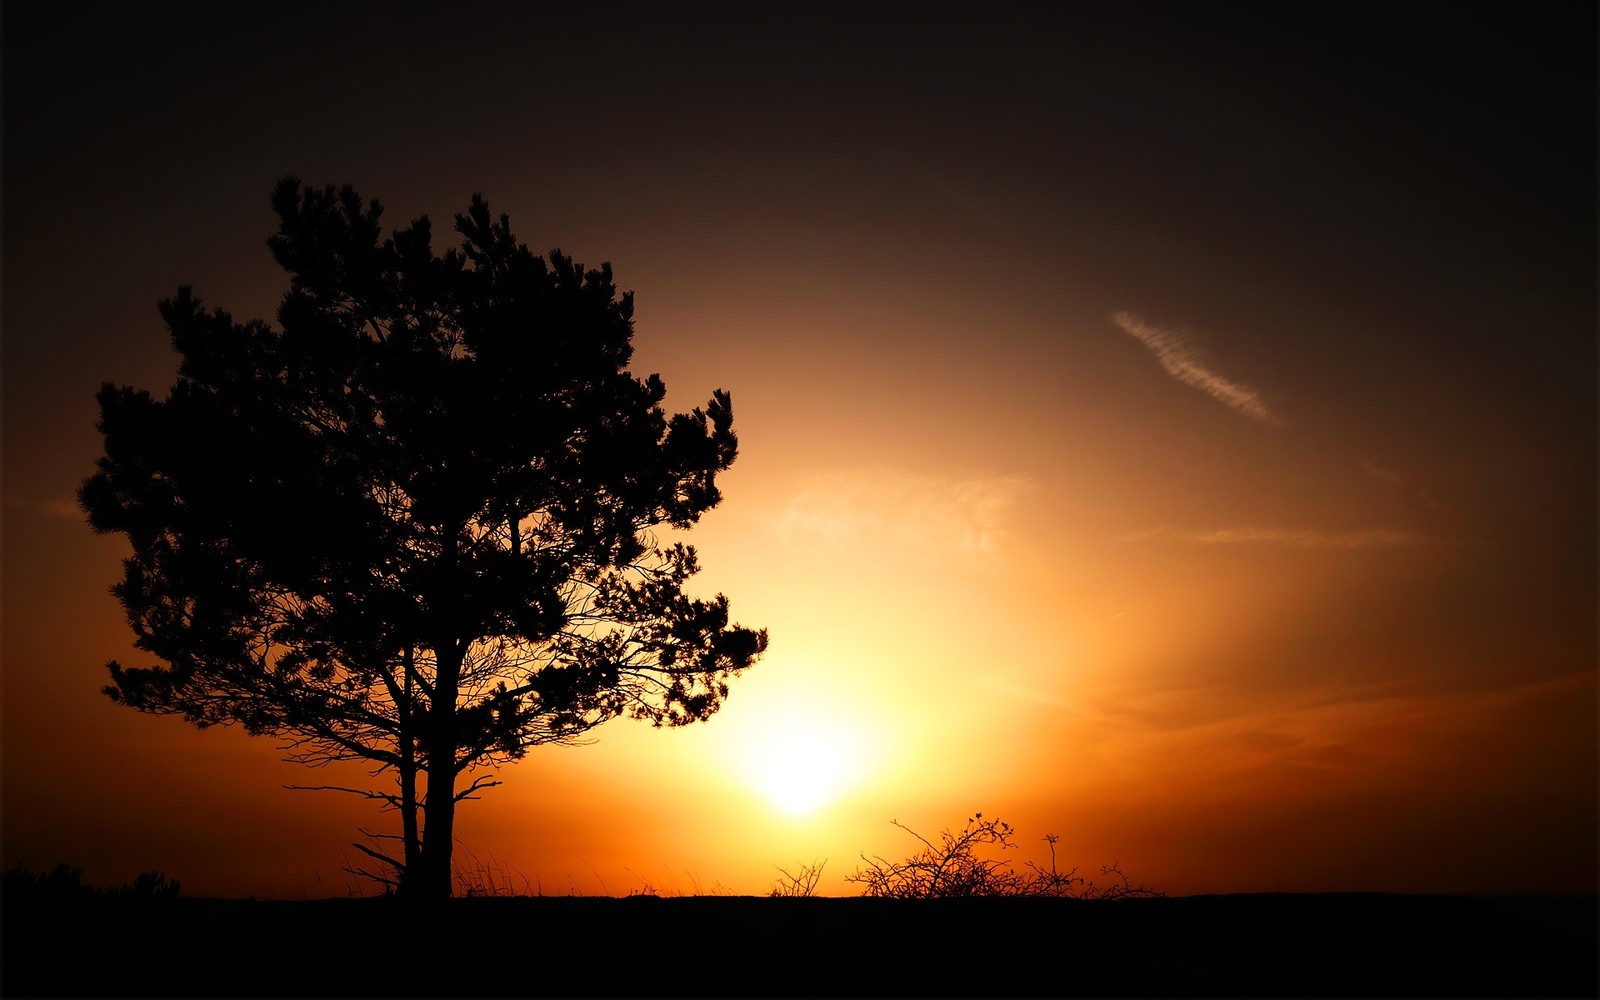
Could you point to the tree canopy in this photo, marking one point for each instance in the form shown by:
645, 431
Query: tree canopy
419, 522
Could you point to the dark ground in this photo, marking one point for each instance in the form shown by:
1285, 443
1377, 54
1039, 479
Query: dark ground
1357, 945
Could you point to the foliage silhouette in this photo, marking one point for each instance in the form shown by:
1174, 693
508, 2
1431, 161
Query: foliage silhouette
65, 882
958, 867
416, 524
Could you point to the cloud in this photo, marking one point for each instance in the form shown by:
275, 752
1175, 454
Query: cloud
60, 507
1305, 538
1395, 479
1320, 728
1181, 358
961, 198
1379, 472
933, 513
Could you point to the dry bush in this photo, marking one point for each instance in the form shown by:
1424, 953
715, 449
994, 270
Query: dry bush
1054, 882
953, 867
801, 883
967, 863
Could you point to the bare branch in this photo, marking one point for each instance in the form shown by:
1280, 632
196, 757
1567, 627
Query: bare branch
478, 783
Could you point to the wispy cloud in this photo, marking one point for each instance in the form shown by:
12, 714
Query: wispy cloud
1364, 726
1305, 538
1379, 472
961, 197
60, 507
1394, 478
859, 506
1181, 358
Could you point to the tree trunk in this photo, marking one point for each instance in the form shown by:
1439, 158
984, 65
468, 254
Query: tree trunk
433, 875
409, 834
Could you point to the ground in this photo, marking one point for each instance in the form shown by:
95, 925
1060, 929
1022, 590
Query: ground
1238, 945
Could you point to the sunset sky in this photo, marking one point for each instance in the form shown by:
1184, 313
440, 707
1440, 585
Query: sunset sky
1168, 426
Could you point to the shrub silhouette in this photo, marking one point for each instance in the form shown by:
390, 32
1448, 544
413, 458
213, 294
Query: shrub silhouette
1054, 882
65, 882
152, 885
800, 883
958, 866
953, 867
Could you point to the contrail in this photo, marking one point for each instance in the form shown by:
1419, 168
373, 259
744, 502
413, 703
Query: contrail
1181, 359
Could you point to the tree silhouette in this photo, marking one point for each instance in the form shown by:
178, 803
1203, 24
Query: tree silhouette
416, 523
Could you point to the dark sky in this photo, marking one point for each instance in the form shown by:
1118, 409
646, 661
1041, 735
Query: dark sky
1193, 405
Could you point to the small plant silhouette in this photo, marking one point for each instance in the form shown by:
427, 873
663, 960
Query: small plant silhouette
1054, 882
800, 883
959, 866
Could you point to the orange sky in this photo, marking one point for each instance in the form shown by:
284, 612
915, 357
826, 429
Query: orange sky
1175, 432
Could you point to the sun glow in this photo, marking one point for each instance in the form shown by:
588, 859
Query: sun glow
796, 753
800, 768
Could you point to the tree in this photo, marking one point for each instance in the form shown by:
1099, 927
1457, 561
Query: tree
420, 522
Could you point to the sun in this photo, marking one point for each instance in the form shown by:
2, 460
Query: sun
790, 747
798, 755
800, 768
